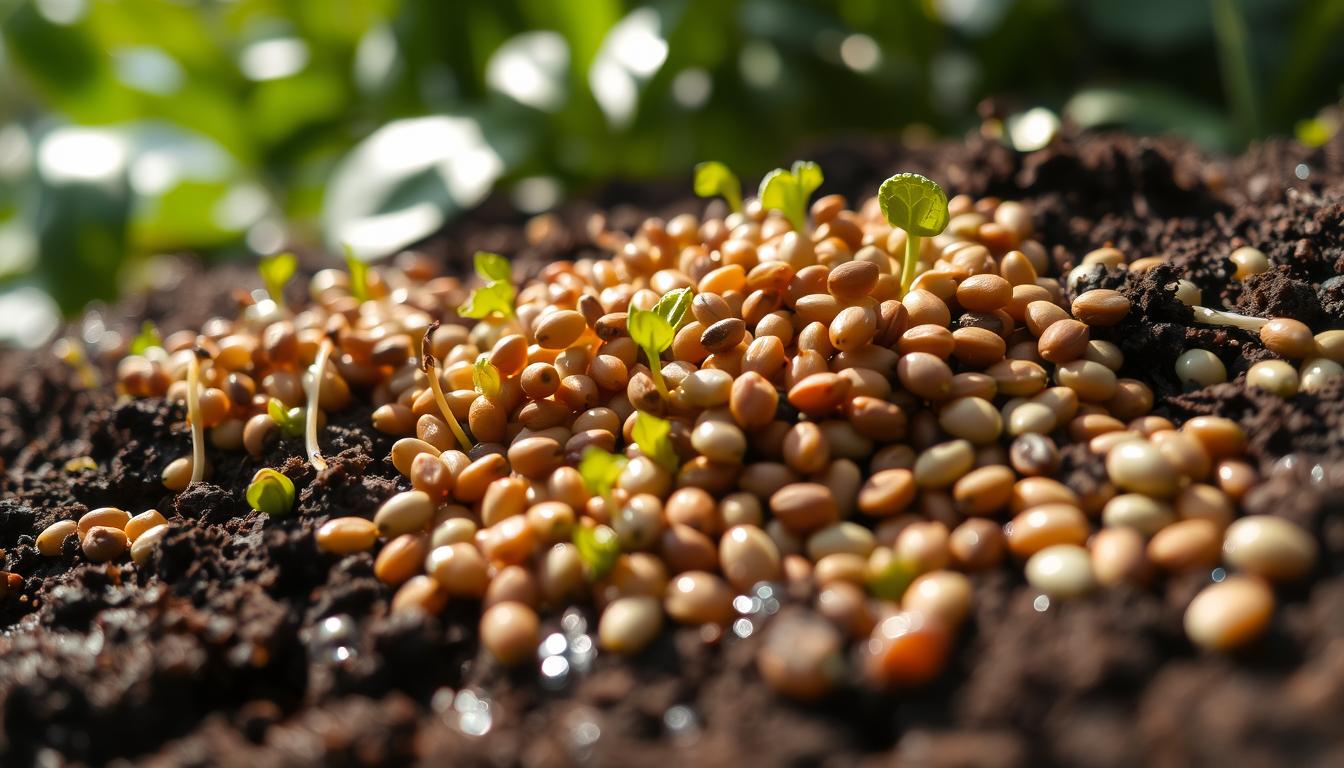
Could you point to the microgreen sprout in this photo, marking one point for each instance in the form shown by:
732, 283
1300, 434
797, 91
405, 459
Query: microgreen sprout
713, 178
497, 295
194, 413
429, 365
787, 191
1208, 316
599, 547
276, 270
652, 435
271, 492
147, 338
654, 329
485, 377
359, 274
600, 470
319, 370
291, 421
918, 206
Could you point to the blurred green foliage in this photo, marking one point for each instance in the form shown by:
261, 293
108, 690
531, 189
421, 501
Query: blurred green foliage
228, 127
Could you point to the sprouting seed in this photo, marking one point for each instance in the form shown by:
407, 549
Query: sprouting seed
314, 395
787, 191
194, 412
276, 270
271, 492
918, 206
430, 367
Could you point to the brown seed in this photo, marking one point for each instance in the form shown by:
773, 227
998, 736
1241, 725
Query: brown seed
804, 507
1186, 545
925, 375
723, 335
907, 649
406, 512
406, 449
697, 597
977, 347
536, 457
629, 624
509, 354
819, 393
1229, 614
887, 492
390, 419
852, 280
102, 543
1101, 307
748, 555
1063, 341
346, 535
472, 481
510, 632
147, 543
853, 328
805, 448
260, 433
459, 568
984, 491
511, 584
106, 516
984, 293
136, 526
933, 339
1041, 314
401, 558
560, 329
710, 308
976, 544
421, 594
802, 656
1222, 438
1046, 525
1288, 338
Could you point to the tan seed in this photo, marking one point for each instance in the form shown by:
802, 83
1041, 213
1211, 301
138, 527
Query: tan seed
1229, 614
1101, 307
106, 516
102, 543
509, 631
347, 535
629, 624
1271, 547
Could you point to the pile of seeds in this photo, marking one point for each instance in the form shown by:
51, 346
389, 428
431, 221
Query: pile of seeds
807, 421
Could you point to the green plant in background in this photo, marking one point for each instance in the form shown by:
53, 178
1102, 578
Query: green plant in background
497, 295
276, 270
918, 206
713, 179
788, 192
359, 275
147, 338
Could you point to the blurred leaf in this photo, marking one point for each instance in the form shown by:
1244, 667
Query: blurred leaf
1150, 109
148, 337
491, 267
713, 178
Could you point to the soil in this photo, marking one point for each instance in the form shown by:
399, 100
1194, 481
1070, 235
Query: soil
240, 644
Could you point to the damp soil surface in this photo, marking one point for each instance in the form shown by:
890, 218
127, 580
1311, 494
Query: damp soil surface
239, 643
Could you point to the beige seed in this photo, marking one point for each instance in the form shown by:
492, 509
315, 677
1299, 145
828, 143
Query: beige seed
1317, 373
1271, 547
1330, 345
1248, 262
1229, 614
842, 537
629, 624
347, 535
106, 516
698, 597
984, 491
720, 441
460, 569
406, 512
406, 449
402, 558
509, 631
971, 418
1274, 376
1200, 367
138, 525
1144, 514
941, 595
1137, 465
1061, 571
144, 545
941, 465
748, 555
924, 545
1118, 556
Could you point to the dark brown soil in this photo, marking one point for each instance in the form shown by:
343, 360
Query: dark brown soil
240, 644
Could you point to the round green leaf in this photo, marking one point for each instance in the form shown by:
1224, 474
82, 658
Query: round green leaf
914, 203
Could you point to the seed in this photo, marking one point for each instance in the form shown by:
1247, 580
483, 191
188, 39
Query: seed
753, 400
887, 492
1200, 367
802, 656
698, 597
805, 448
819, 393
852, 280
472, 481
1061, 571
406, 449
748, 555
459, 568
852, 328
511, 584
925, 375
875, 418
629, 624
907, 649
842, 537
105, 516
1229, 614
723, 335
511, 540
1143, 514
1041, 314
559, 330
509, 354
971, 418
1317, 373
1288, 338
177, 475
944, 596
719, 441
102, 543
402, 558
923, 545
419, 594
136, 526
1270, 547
1101, 307
923, 307
984, 491
1186, 545
1118, 556
943, 464
984, 293
347, 535
804, 507
145, 544
1204, 502
976, 544
1248, 262
1042, 526
1330, 345
1063, 341
1017, 378
1222, 438
509, 631
1137, 465
1092, 381
1273, 376
707, 388
977, 347
406, 512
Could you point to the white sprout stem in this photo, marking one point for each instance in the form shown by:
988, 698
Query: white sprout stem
1218, 317
314, 392
194, 413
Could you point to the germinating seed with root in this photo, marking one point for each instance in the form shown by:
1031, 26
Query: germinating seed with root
864, 407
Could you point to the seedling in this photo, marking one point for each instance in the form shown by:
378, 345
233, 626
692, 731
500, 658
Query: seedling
600, 470
713, 178
891, 582
652, 435
1208, 316
276, 270
788, 192
314, 396
291, 421
271, 492
430, 366
918, 206
194, 413
599, 547
654, 329
485, 377
147, 338
497, 295
359, 274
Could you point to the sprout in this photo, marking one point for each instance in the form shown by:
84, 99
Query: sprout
276, 270
891, 582
314, 395
291, 421
148, 337
485, 377
788, 191
600, 470
713, 178
271, 492
918, 206
652, 435
430, 366
1218, 317
654, 329
194, 414
497, 295
599, 547
359, 274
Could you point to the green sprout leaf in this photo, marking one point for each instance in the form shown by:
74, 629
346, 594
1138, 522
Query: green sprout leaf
651, 331
672, 307
148, 337
598, 546
359, 274
713, 178
914, 203
600, 470
271, 492
652, 435
492, 267
276, 270
892, 581
495, 297
788, 191
485, 377
291, 421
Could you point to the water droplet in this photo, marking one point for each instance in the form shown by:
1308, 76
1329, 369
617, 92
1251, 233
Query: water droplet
586, 733
1302, 171
554, 672
554, 645
1218, 574
745, 604
574, 623
743, 628
1041, 604
682, 723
